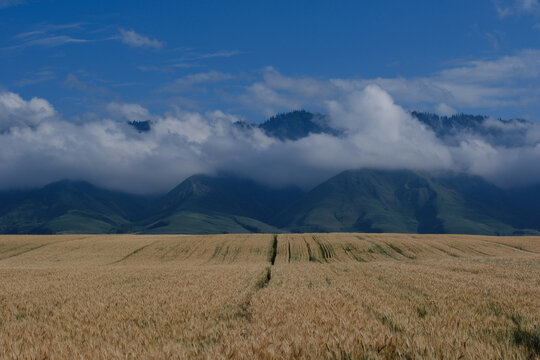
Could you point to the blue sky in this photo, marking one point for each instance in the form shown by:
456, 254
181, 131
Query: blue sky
75, 72
82, 55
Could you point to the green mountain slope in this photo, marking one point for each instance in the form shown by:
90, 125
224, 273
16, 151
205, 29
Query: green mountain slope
401, 201
68, 207
187, 222
353, 201
204, 204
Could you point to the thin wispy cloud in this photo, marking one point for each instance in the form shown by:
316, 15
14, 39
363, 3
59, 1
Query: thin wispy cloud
73, 81
516, 7
190, 60
495, 38
218, 54
169, 68
48, 42
131, 38
10, 3
497, 83
529, 5
36, 78
28, 34
51, 41
523, 65
155, 68
183, 65
194, 56
187, 82
53, 35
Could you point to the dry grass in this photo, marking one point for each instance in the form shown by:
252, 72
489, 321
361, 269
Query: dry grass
333, 296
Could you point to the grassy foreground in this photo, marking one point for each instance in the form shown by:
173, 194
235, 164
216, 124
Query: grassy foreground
316, 296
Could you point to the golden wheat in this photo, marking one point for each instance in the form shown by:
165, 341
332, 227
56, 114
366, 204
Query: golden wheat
306, 296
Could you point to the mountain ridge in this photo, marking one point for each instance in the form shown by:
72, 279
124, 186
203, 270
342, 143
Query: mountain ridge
366, 200
397, 201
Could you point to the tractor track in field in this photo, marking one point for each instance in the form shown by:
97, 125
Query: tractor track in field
244, 308
27, 250
273, 255
273, 252
272, 259
139, 249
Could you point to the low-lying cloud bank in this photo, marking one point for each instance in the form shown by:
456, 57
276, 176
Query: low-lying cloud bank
37, 146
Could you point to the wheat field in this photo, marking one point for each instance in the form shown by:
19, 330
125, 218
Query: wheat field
301, 296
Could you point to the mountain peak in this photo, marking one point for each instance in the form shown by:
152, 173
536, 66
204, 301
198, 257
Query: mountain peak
297, 124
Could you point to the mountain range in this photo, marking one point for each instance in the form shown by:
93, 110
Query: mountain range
365, 200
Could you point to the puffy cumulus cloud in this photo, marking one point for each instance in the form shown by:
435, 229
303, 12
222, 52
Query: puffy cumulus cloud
507, 167
384, 135
15, 111
113, 154
375, 132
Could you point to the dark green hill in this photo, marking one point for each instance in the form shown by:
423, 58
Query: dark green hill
401, 201
205, 204
356, 201
68, 207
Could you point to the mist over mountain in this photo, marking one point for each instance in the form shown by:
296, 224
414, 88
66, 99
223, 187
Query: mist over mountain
453, 129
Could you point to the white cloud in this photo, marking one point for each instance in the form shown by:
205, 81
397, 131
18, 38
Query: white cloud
52, 41
507, 82
281, 93
217, 54
15, 111
131, 112
37, 147
131, 38
523, 65
53, 35
191, 55
445, 110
